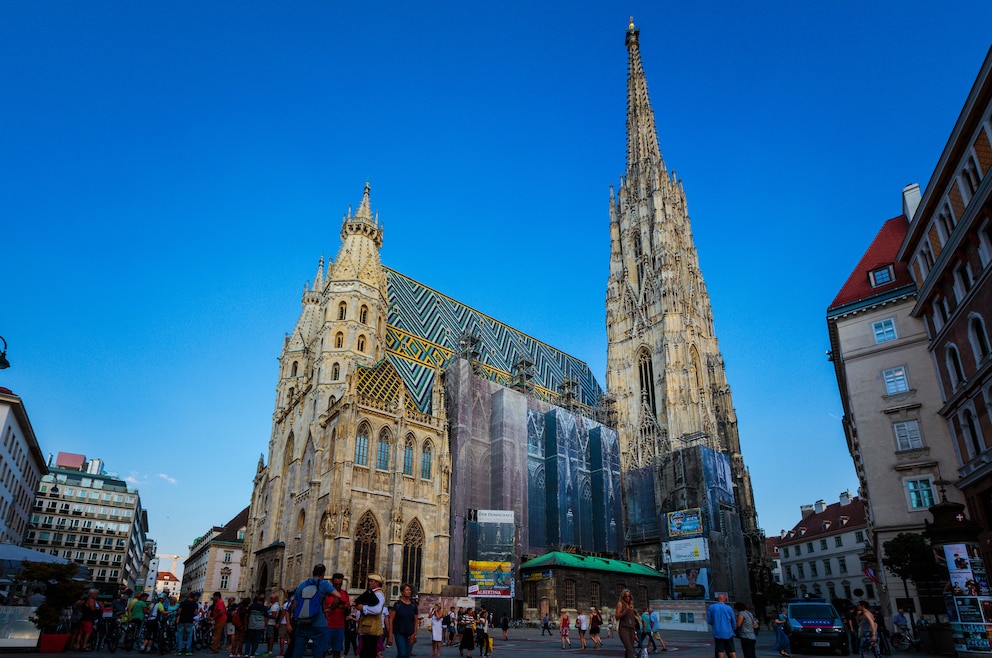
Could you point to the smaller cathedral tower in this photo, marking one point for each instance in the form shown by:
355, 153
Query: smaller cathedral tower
340, 485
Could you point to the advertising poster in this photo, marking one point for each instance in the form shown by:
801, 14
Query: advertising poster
685, 523
968, 597
688, 550
690, 583
490, 579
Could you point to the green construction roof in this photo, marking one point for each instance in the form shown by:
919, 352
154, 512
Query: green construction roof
559, 559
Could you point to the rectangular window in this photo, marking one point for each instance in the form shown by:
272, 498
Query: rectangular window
594, 594
812, 570
788, 571
895, 380
823, 544
227, 556
223, 581
785, 551
881, 276
809, 547
908, 435
828, 569
799, 549
859, 537
920, 493
884, 330
838, 541
842, 564
801, 571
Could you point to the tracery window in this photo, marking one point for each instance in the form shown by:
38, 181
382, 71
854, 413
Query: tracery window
362, 446
408, 456
366, 543
382, 455
413, 554
426, 466
645, 370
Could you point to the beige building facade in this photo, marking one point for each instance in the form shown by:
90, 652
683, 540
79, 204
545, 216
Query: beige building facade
899, 444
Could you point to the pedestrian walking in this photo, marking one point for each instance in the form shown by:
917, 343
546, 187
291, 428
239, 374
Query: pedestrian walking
721, 618
627, 621
746, 627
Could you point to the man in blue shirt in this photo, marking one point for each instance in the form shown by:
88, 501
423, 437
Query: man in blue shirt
722, 618
317, 629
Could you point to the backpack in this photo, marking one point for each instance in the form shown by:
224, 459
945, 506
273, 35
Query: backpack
308, 604
256, 620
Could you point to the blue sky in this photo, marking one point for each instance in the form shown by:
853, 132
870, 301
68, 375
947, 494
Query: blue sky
170, 173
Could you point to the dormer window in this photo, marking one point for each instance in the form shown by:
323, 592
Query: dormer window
826, 525
802, 531
844, 520
881, 276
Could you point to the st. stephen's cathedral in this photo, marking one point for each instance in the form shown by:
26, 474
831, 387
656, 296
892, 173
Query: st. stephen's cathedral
400, 410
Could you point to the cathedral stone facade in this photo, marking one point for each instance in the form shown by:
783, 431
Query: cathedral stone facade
401, 412
368, 472
664, 367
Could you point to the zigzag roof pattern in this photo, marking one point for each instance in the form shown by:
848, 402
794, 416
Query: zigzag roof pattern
423, 330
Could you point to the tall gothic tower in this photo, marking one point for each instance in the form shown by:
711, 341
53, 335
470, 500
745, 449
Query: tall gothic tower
664, 366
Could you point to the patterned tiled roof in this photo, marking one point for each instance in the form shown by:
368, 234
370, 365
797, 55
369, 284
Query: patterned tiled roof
881, 253
425, 326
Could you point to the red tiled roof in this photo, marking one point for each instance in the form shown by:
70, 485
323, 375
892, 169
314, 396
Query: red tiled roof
828, 522
771, 545
167, 576
5, 390
880, 253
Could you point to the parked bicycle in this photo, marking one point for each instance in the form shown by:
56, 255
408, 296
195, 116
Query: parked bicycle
905, 641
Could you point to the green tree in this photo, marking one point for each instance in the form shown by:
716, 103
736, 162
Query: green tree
61, 591
909, 556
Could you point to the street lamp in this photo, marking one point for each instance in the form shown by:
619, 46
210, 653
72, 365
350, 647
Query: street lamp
4, 363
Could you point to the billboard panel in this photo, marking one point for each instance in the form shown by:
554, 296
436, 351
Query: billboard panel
688, 550
685, 523
490, 579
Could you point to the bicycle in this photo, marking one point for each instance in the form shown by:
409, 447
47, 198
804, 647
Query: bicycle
904, 641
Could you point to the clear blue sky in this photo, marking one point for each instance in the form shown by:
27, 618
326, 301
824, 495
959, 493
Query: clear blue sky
170, 173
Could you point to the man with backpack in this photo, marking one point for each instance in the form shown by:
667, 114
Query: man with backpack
308, 613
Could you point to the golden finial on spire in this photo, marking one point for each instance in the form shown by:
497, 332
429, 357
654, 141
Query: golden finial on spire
631, 26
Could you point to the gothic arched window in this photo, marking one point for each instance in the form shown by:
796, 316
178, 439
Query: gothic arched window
382, 455
342, 310
294, 368
335, 372
361, 343
426, 457
645, 371
413, 554
366, 542
363, 315
338, 340
408, 455
362, 446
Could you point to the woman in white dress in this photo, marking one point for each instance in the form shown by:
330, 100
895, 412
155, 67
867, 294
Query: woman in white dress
437, 631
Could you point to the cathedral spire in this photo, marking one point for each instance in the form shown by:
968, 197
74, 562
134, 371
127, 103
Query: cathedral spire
318, 279
643, 153
365, 208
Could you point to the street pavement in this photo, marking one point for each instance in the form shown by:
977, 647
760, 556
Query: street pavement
528, 643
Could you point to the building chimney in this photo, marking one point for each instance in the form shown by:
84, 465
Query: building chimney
910, 200
819, 506
784, 533
845, 498
806, 510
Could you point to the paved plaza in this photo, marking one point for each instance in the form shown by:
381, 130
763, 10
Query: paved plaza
529, 642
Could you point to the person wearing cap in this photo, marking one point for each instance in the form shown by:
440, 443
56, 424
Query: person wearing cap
317, 630
370, 626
